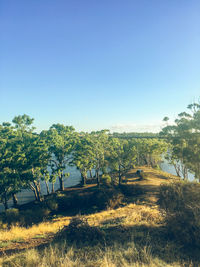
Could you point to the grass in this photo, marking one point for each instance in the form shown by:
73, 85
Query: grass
134, 234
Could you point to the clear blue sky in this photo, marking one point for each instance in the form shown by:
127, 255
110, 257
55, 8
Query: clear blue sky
98, 64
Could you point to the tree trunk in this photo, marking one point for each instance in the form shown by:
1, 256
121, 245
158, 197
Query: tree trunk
5, 200
47, 187
120, 176
90, 173
177, 169
37, 188
35, 193
52, 190
61, 182
83, 180
15, 200
97, 177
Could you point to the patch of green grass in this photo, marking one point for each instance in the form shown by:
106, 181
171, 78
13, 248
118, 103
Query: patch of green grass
18, 240
4, 244
39, 236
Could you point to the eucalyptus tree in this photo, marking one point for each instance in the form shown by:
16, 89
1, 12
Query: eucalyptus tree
35, 154
122, 156
149, 151
9, 157
184, 138
62, 140
84, 155
101, 149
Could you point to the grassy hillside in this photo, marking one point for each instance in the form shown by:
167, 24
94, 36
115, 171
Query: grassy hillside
97, 227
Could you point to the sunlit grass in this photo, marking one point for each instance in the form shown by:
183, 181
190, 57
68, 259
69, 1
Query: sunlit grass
62, 255
130, 215
44, 228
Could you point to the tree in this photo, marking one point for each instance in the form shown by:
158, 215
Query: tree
61, 142
122, 157
83, 156
10, 159
34, 156
100, 147
184, 138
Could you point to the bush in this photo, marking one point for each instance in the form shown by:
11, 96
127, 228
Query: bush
130, 190
106, 179
11, 216
52, 204
181, 201
143, 176
34, 215
108, 198
79, 231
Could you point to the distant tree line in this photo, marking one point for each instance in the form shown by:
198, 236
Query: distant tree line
27, 158
135, 135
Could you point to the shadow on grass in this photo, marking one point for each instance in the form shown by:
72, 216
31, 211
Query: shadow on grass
156, 239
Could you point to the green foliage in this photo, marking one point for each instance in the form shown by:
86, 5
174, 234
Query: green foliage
134, 135
122, 156
61, 140
181, 201
83, 156
149, 151
106, 179
184, 140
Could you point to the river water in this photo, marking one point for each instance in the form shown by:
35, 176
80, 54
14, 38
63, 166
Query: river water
27, 195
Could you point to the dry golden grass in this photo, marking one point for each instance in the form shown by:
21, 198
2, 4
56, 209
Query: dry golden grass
64, 256
129, 215
44, 228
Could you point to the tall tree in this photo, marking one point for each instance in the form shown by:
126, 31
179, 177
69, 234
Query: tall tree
122, 156
184, 138
62, 140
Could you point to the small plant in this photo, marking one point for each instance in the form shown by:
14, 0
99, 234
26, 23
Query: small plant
143, 176
106, 179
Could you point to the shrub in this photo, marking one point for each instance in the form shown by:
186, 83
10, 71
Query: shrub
75, 201
11, 216
34, 215
130, 190
107, 198
106, 179
143, 176
79, 231
52, 204
181, 201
